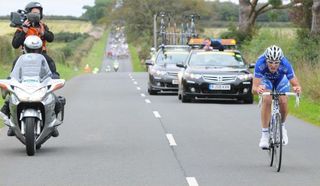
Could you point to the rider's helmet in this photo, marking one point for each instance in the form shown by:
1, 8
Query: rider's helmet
32, 44
273, 53
32, 5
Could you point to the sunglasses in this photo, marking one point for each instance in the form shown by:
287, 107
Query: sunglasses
273, 62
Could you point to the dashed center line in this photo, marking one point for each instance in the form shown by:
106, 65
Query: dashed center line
147, 101
192, 181
171, 140
135, 83
156, 114
143, 95
138, 88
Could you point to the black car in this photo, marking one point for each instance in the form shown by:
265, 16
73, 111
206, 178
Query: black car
215, 74
163, 71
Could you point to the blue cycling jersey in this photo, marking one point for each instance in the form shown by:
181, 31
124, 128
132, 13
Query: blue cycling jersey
262, 71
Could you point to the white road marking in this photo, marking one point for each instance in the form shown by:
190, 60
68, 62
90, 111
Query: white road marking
192, 181
156, 114
143, 95
147, 101
171, 140
138, 88
135, 83
133, 79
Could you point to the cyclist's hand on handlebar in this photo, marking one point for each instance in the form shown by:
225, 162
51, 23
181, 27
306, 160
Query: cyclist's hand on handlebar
297, 89
260, 89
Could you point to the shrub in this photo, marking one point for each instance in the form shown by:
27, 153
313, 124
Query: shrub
67, 36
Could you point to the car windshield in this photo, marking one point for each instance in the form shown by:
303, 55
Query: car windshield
171, 57
31, 66
216, 59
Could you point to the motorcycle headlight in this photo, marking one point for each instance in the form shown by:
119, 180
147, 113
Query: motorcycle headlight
193, 76
245, 77
27, 96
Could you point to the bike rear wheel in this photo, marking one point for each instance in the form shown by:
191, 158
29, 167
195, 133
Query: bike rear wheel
277, 146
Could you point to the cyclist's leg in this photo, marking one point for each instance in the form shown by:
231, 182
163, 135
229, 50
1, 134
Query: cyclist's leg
265, 116
266, 104
283, 86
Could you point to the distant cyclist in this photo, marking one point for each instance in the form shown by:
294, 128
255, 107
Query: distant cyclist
273, 71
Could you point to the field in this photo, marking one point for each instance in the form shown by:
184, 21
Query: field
54, 25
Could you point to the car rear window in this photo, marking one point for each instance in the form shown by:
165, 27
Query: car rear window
171, 57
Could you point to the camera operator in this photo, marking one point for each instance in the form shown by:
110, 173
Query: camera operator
34, 25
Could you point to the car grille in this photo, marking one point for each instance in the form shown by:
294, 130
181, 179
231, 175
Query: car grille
174, 74
219, 78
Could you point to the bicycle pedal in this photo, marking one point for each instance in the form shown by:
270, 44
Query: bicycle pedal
265, 148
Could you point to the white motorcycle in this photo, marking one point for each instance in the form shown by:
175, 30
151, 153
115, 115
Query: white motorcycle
34, 109
116, 65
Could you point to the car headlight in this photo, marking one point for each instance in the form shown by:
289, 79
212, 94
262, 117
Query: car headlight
157, 72
160, 73
193, 76
245, 77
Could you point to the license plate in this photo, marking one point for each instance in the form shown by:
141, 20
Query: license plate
219, 87
175, 81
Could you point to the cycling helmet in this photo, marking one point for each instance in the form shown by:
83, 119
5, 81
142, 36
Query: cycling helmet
273, 53
32, 44
32, 5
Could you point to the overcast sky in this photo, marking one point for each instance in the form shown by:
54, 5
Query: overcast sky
51, 7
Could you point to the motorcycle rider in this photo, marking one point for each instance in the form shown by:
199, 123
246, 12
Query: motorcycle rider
33, 44
35, 28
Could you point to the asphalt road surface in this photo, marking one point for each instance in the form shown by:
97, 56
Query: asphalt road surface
115, 134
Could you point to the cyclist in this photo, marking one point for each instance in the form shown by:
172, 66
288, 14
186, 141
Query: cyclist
273, 71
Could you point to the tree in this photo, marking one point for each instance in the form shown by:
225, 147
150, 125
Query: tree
315, 27
249, 10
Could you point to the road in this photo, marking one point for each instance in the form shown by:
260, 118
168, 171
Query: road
115, 134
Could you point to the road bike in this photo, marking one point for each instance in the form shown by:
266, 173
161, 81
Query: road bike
275, 129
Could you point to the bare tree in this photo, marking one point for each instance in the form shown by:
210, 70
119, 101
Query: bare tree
249, 10
315, 28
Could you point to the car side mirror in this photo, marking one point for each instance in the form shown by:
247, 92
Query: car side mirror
149, 62
252, 65
181, 65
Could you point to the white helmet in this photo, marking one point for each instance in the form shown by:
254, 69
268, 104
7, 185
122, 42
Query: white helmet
32, 44
273, 53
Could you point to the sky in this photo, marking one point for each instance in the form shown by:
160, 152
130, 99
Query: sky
50, 7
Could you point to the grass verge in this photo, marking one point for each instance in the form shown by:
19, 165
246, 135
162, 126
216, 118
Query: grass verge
308, 111
96, 54
136, 64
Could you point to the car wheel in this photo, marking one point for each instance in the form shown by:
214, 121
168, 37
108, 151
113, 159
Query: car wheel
152, 92
248, 99
185, 99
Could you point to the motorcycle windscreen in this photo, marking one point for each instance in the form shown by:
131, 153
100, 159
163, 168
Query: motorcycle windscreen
31, 66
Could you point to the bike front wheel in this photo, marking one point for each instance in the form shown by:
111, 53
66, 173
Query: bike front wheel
277, 146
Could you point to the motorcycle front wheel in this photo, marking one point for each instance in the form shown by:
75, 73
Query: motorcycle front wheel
30, 135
